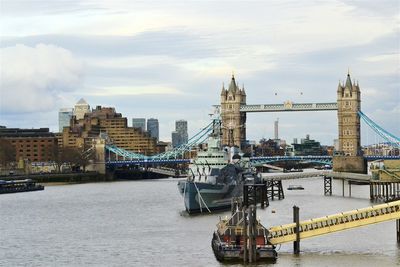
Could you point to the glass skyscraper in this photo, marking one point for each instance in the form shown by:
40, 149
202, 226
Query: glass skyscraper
153, 128
64, 117
139, 123
180, 135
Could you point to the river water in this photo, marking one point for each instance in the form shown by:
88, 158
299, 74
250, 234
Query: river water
141, 223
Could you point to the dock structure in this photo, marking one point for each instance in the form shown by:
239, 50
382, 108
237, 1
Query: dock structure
294, 175
384, 191
351, 178
254, 194
334, 223
274, 189
380, 190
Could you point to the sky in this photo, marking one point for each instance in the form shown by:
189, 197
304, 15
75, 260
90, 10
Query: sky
169, 60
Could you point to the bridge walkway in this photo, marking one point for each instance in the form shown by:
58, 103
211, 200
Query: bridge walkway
163, 170
334, 223
292, 175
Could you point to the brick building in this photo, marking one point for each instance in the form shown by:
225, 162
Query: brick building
35, 145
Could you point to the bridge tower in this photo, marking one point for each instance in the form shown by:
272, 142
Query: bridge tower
350, 157
233, 121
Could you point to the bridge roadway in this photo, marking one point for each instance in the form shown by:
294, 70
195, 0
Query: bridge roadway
255, 160
334, 223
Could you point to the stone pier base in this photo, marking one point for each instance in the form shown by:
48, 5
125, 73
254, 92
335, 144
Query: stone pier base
356, 164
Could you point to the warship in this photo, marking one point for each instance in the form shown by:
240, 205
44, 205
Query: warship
215, 176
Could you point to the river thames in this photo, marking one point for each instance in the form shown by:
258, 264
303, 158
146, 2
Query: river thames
142, 223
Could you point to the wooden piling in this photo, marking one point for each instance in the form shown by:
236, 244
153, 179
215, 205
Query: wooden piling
252, 234
343, 187
349, 182
263, 196
371, 191
296, 219
398, 230
245, 236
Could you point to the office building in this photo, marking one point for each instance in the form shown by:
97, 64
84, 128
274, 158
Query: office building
153, 128
64, 117
308, 147
139, 123
34, 145
180, 135
106, 120
81, 108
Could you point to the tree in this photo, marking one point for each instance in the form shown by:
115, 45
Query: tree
70, 155
7, 152
85, 157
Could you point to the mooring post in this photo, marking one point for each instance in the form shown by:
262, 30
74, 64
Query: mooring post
349, 188
245, 237
398, 230
296, 219
370, 191
252, 219
343, 187
263, 193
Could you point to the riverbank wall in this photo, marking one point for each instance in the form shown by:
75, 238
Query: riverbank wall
84, 177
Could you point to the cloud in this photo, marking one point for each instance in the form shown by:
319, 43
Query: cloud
33, 78
169, 60
132, 91
172, 42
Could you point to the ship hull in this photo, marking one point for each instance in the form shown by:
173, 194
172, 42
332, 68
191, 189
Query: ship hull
204, 197
225, 253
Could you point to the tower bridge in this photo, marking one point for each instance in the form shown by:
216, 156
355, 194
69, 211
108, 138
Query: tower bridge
233, 111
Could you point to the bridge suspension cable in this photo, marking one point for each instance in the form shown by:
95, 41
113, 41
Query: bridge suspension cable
390, 138
198, 138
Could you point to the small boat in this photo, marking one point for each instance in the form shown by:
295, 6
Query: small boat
16, 186
228, 240
295, 187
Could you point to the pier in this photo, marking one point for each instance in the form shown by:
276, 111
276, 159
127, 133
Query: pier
337, 222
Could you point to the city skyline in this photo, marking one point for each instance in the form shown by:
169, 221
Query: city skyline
169, 60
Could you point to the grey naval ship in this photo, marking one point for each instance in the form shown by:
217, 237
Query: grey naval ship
216, 175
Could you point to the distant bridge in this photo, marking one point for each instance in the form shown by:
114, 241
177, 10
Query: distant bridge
259, 161
116, 156
256, 161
